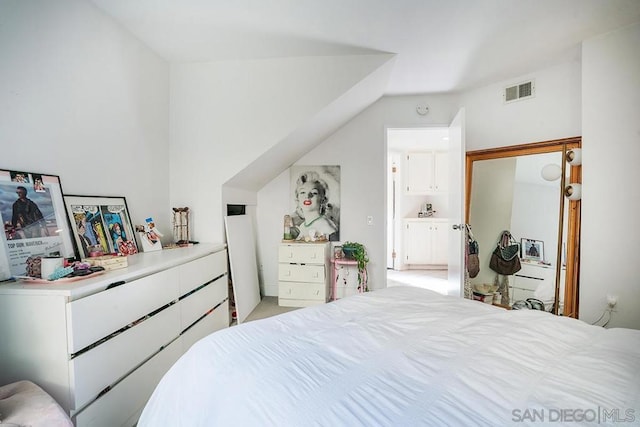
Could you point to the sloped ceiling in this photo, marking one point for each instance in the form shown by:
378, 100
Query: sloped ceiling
317, 128
439, 46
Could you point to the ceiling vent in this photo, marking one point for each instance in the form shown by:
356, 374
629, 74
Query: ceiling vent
520, 91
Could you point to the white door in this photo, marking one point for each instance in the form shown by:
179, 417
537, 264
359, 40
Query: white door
456, 205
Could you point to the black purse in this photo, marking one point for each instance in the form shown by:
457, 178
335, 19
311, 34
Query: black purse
505, 258
473, 260
473, 249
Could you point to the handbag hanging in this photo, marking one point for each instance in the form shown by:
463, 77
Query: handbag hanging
505, 258
473, 249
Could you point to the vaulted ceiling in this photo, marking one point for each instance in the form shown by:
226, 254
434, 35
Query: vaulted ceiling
440, 45
409, 47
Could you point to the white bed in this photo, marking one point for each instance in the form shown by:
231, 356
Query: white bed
404, 356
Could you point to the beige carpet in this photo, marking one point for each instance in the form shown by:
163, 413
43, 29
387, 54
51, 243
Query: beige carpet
267, 307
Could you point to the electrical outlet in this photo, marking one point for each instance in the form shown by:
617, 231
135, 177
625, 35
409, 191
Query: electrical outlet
612, 300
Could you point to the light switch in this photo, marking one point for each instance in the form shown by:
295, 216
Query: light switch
369, 220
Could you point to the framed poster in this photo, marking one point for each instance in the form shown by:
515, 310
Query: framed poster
315, 202
34, 219
101, 225
532, 249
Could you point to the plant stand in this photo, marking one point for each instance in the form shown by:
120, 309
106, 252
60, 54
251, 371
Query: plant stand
337, 264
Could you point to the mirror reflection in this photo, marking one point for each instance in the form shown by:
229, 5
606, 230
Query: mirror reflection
510, 194
514, 196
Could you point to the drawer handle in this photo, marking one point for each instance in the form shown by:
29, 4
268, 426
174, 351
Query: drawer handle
317, 292
115, 284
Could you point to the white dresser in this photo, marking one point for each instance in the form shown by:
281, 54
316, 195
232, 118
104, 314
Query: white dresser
100, 345
535, 281
303, 274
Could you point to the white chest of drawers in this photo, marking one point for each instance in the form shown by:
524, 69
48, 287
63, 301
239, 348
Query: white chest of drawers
303, 274
537, 281
100, 350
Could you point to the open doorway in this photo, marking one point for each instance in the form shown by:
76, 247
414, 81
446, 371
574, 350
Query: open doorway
417, 207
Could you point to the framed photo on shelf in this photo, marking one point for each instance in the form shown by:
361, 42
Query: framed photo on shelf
101, 225
34, 219
532, 249
149, 236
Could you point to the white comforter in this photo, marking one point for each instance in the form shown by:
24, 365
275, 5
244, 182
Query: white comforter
404, 356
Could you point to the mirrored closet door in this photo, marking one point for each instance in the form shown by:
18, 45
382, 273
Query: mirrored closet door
531, 190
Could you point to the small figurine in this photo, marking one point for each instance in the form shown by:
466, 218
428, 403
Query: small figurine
181, 225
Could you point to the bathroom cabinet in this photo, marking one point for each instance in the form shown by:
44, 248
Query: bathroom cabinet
426, 172
426, 241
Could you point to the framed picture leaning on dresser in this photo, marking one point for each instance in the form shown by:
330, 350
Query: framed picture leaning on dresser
34, 220
101, 225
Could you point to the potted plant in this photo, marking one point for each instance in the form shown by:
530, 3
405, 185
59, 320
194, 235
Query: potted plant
356, 251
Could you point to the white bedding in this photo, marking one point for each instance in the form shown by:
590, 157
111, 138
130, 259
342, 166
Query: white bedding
404, 356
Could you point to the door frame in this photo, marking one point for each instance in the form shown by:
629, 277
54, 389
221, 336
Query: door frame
397, 221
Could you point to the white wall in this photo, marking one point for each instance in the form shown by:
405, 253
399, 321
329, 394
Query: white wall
553, 113
273, 204
359, 147
226, 114
535, 215
536, 203
83, 99
610, 238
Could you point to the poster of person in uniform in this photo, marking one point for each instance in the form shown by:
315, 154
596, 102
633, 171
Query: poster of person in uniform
34, 219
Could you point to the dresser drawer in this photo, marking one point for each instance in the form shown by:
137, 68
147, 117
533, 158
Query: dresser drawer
537, 271
94, 370
97, 316
200, 271
303, 253
123, 404
198, 303
301, 273
214, 321
529, 283
518, 294
302, 291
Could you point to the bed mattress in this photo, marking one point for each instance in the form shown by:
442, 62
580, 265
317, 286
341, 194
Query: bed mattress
404, 356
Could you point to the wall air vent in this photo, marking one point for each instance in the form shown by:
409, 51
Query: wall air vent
520, 91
